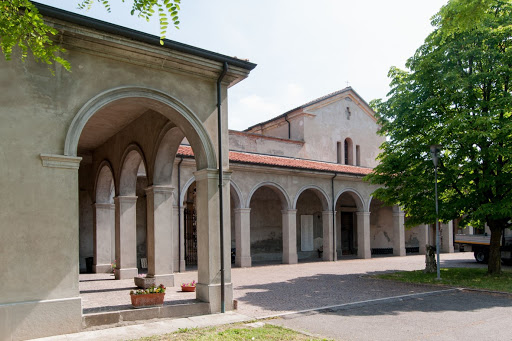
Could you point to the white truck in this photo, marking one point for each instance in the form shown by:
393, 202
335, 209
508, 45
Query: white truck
479, 244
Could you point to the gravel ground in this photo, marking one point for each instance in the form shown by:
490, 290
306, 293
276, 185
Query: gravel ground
274, 289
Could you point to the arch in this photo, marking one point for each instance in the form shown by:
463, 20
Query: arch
130, 162
285, 199
185, 189
358, 198
165, 152
104, 183
369, 203
158, 101
324, 199
234, 189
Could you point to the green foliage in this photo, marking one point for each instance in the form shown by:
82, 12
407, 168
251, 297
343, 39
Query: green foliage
457, 277
457, 93
22, 25
145, 9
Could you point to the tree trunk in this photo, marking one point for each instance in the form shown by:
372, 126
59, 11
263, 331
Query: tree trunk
494, 266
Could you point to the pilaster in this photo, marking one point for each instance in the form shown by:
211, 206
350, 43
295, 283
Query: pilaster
328, 236
290, 236
208, 241
363, 235
104, 224
398, 232
447, 237
243, 237
160, 234
126, 238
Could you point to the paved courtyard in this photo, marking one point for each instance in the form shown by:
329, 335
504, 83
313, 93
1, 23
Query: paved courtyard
336, 300
274, 289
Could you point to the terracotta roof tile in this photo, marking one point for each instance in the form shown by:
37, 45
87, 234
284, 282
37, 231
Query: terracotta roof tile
279, 161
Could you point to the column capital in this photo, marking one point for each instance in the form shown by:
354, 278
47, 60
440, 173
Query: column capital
105, 205
329, 212
364, 214
160, 189
289, 211
207, 173
226, 174
242, 210
399, 214
126, 199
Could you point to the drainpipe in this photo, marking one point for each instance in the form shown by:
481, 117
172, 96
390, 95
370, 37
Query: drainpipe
289, 127
221, 213
179, 214
333, 219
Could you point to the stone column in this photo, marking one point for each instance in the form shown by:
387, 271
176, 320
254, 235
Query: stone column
160, 234
179, 238
126, 238
423, 237
328, 236
398, 232
104, 224
363, 235
289, 236
208, 241
447, 237
243, 237
468, 230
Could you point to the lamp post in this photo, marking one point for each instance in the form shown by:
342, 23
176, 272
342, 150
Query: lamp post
435, 149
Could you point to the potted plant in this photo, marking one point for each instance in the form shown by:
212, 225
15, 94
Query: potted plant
144, 282
151, 297
190, 287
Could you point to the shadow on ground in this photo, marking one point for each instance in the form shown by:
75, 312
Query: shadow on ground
324, 290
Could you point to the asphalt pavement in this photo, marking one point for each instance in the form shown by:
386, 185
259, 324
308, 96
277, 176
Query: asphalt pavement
449, 315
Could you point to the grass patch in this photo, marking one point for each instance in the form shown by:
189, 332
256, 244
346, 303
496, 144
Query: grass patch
458, 277
238, 331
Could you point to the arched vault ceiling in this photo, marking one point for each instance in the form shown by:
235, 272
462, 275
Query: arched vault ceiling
108, 121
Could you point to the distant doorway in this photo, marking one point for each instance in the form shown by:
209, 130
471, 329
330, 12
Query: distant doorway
347, 233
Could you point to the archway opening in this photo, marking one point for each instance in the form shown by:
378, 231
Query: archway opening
138, 137
347, 205
266, 226
104, 256
190, 227
309, 226
381, 228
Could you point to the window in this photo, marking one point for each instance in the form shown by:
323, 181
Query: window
358, 156
349, 158
338, 152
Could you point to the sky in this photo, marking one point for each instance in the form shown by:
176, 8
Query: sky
303, 49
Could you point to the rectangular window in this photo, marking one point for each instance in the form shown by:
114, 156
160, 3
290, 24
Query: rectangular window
338, 152
358, 156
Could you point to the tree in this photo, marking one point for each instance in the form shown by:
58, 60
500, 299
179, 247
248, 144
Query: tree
22, 25
456, 93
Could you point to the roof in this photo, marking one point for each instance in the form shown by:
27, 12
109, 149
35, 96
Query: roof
319, 99
104, 26
285, 162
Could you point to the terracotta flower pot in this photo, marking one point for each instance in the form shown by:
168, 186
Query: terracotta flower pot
147, 300
188, 288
